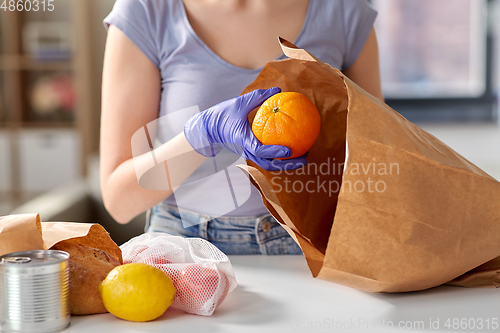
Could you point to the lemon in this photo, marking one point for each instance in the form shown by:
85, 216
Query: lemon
137, 292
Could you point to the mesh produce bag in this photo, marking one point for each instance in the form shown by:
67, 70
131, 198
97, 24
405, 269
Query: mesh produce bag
201, 273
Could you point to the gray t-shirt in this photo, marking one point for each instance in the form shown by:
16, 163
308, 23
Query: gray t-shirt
334, 31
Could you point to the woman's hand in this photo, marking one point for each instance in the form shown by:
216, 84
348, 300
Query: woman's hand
226, 125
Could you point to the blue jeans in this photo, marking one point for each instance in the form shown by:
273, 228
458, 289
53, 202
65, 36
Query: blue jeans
231, 234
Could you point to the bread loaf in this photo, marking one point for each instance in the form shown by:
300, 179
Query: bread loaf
88, 267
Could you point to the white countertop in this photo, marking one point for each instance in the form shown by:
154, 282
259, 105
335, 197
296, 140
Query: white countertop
278, 294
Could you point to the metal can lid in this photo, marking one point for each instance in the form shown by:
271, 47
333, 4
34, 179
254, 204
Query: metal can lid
16, 260
34, 258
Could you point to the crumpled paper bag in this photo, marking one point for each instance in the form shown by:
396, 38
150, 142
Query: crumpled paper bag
382, 205
24, 232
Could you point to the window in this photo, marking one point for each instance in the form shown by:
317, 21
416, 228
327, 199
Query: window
436, 58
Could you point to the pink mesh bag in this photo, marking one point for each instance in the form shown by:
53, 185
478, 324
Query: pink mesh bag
201, 273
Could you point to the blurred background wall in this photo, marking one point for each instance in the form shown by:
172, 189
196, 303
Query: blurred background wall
50, 73
437, 58
439, 62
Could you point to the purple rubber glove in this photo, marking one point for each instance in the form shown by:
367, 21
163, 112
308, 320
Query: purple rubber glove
226, 125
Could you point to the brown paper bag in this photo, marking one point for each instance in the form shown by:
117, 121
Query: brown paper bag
382, 205
24, 232
20, 232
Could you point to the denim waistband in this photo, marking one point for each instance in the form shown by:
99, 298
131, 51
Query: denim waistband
226, 231
191, 218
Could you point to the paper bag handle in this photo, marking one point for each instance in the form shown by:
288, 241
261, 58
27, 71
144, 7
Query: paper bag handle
292, 51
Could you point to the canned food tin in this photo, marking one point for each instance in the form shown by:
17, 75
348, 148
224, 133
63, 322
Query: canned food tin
34, 290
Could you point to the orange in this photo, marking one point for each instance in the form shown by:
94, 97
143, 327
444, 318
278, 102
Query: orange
289, 119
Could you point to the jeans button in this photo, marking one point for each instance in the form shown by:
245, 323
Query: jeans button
266, 226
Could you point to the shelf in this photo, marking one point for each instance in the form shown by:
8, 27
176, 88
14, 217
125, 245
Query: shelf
39, 97
22, 62
48, 124
6, 125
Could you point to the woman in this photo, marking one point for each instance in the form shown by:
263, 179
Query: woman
168, 55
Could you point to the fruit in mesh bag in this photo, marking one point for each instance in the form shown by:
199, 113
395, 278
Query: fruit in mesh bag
137, 292
201, 289
150, 259
289, 119
201, 274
